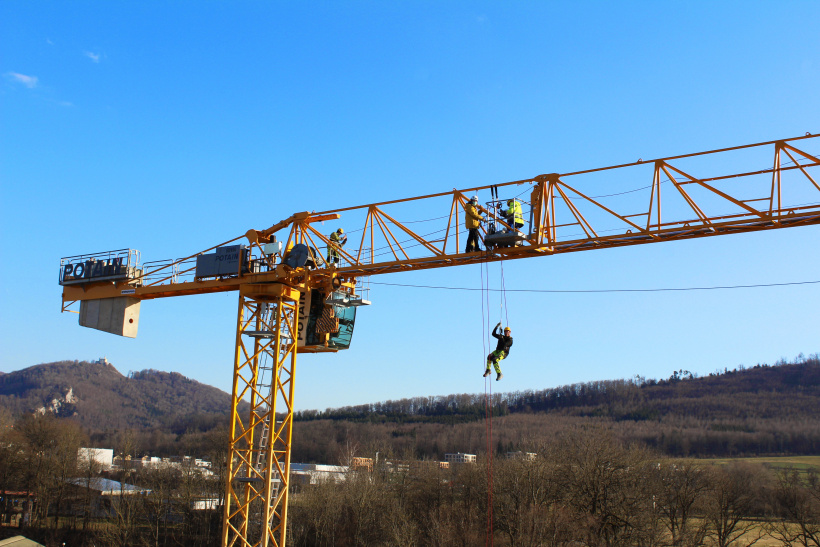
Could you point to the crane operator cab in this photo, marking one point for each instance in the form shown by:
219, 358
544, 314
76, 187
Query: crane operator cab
326, 321
326, 316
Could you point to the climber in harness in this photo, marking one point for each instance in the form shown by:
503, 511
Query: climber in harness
502, 350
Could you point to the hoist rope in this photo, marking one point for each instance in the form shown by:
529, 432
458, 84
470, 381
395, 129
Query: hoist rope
504, 297
488, 394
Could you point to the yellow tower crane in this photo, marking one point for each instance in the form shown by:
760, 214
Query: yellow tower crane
294, 299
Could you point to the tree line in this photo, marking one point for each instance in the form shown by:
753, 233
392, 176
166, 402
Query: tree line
760, 410
636, 398
49, 492
581, 487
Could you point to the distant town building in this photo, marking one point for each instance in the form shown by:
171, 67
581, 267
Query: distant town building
106, 495
519, 455
108, 487
414, 466
19, 541
15, 508
362, 464
149, 461
205, 504
303, 474
460, 457
102, 456
202, 467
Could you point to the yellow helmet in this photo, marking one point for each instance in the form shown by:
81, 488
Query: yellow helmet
340, 231
507, 329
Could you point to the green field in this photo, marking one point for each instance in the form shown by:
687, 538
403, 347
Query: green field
774, 462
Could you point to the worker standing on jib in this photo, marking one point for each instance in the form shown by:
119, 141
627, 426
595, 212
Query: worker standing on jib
502, 350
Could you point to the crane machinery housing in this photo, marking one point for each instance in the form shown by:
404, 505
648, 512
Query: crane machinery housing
291, 300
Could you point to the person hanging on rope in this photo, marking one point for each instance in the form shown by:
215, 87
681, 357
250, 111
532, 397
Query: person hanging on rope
472, 219
502, 350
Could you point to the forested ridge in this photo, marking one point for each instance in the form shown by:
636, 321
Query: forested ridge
759, 410
757, 391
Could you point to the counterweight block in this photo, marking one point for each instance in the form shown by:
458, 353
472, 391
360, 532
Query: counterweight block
115, 315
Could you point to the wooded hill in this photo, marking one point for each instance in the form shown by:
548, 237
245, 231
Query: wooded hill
763, 391
762, 410
99, 397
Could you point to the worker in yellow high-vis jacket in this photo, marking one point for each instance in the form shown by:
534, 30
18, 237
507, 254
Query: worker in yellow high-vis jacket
513, 214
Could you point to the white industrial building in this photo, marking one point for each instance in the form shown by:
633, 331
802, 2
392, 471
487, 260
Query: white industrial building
313, 473
102, 456
460, 457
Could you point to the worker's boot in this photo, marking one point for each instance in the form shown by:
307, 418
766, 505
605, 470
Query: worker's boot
500, 376
486, 373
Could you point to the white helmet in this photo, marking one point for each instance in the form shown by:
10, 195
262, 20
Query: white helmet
474, 198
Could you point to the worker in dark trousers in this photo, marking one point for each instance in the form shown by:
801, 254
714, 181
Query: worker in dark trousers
337, 241
472, 220
502, 350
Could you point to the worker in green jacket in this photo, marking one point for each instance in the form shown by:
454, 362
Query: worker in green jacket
502, 350
337, 241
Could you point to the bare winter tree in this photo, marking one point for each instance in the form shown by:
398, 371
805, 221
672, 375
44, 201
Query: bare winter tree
12, 458
732, 497
525, 492
160, 482
602, 483
127, 510
680, 487
797, 504
88, 469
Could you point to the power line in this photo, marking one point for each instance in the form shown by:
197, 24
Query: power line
678, 289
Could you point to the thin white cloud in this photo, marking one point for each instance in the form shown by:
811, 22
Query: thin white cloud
28, 81
93, 56
49, 42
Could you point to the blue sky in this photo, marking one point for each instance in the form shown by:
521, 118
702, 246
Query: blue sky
172, 126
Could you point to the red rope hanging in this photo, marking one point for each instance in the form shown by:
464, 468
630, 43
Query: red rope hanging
488, 395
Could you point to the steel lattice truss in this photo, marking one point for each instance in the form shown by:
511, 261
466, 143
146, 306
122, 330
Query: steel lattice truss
694, 206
